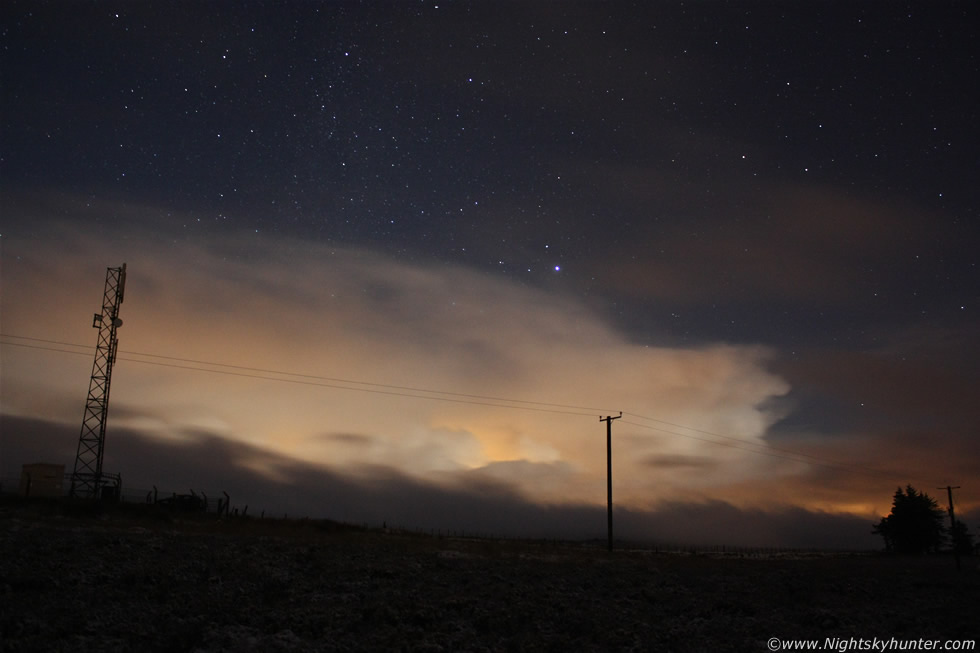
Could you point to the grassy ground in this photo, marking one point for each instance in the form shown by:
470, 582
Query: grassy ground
74, 577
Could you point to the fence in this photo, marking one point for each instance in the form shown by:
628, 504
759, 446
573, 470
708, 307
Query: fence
190, 500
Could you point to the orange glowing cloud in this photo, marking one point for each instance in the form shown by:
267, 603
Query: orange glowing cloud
335, 350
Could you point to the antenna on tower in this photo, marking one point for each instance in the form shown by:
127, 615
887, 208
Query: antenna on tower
87, 479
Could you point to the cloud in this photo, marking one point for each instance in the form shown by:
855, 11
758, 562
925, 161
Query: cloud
911, 417
350, 439
482, 501
906, 388
673, 462
523, 372
774, 242
721, 523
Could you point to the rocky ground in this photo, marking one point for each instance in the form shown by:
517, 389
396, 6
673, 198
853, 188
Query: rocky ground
156, 583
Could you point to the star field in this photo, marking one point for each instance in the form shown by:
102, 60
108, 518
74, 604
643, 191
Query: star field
466, 133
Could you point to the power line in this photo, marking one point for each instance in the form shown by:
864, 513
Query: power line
369, 383
454, 397
324, 378
50, 342
369, 390
328, 382
63, 351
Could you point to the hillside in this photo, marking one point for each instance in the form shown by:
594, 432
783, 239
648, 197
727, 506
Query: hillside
149, 582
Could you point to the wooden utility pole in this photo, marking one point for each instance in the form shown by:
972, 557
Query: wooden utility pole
608, 420
952, 521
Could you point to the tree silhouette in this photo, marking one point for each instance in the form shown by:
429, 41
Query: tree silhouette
915, 524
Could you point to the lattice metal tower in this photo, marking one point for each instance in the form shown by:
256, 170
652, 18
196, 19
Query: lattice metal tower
87, 479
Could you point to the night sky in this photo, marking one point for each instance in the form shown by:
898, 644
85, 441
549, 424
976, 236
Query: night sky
438, 240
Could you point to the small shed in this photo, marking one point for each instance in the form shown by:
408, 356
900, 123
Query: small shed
42, 480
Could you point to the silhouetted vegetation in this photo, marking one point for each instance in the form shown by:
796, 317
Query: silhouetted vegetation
915, 524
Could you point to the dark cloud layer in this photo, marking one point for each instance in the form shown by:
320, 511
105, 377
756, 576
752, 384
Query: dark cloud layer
471, 503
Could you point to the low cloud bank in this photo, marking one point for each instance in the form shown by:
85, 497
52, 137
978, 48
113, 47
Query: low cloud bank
468, 502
